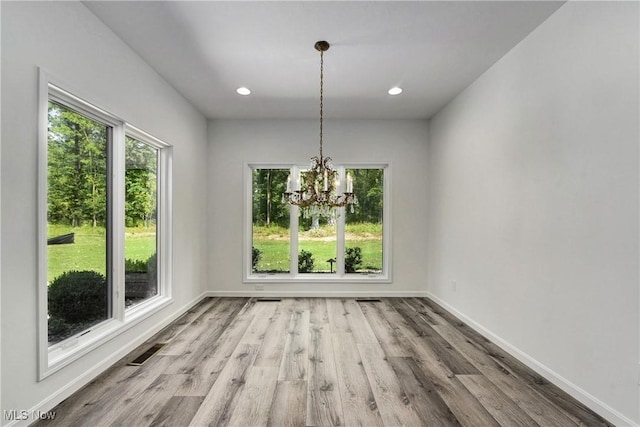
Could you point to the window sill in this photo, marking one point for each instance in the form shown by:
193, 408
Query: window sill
317, 278
145, 309
64, 353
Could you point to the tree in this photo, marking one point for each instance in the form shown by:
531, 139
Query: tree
368, 187
268, 208
77, 172
140, 183
268, 186
77, 167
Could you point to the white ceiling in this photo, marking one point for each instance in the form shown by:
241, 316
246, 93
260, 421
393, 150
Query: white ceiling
432, 49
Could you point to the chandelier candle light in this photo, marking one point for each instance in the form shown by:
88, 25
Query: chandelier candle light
319, 194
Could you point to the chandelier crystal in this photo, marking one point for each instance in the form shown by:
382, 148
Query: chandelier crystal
319, 191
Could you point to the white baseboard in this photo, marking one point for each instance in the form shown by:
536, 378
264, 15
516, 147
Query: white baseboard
317, 293
567, 386
51, 401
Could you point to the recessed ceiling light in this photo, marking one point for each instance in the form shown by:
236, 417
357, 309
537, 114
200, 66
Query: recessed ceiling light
395, 90
243, 91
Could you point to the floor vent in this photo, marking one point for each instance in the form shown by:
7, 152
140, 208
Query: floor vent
368, 300
138, 361
269, 299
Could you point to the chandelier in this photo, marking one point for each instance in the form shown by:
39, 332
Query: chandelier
319, 191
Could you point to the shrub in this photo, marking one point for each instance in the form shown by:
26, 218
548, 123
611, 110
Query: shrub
305, 262
135, 265
143, 283
140, 265
352, 259
152, 271
58, 327
151, 264
78, 296
256, 254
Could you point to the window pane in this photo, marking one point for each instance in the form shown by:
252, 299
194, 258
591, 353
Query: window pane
78, 285
317, 244
141, 206
364, 226
270, 221
317, 241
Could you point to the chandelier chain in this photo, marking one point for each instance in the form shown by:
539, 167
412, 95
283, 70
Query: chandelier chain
321, 98
317, 191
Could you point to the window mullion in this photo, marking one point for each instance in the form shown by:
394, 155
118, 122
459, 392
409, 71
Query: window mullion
117, 222
164, 223
340, 242
294, 212
340, 227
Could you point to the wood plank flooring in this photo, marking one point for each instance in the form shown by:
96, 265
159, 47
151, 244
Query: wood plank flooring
321, 362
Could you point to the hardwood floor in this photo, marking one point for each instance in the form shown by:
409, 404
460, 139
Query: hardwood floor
321, 362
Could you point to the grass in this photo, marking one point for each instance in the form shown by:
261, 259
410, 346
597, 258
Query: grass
275, 255
139, 243
89, 250
273, 241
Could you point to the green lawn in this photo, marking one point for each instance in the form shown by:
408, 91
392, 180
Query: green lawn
274, 244
275, 255
89, 250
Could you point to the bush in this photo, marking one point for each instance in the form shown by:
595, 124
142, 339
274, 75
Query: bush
58, 327
78, 296
135, 266
352, 259
305, 262
140, 265
141, 284
152, 271
151, 264
256, 254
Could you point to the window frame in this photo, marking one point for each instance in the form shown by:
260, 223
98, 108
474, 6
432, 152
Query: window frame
249, 277
164, 241
53, 358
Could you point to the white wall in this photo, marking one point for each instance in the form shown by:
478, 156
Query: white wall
0, 227
402, 143
75, 47
533, 196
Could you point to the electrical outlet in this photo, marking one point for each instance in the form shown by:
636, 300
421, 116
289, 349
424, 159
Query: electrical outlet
259, 287
454, 286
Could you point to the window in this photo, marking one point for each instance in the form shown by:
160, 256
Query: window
78, 273
283, 245
140, 213
270, 251
317, 241
364, 246
105, 239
